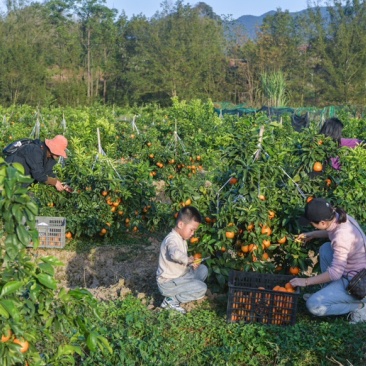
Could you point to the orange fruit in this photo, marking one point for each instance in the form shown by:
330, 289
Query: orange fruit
320, 142
281, 288
266, 230
230, 235
194, 240
265, 256
6, 337
282, 240
245, 248
68, 235
233, 180
105, 193
252, 247
276, 288
289, 287
223, 249
266, 244
120, 212
197, 256
188, 202
262, 197
24, 345
151, 156
250, 227
208, 220
318, 166
309, 199
294, 270
103, 231
278, 269
271, 215
328, 182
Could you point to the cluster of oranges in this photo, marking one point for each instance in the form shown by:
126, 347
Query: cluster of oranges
113, 203
274, 306
178, 166
23, 344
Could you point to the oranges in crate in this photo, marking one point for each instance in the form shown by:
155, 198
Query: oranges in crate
267, 306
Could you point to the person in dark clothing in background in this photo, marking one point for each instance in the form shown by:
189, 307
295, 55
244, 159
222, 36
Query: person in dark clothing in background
38, 160
333, 128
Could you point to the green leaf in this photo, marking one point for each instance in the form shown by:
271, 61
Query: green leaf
10, 307
79, 293
52, 260
17, 213
10, 287
105, 343
22, 234
32, 207
3, 312
47, 280
47, 268
68, 350
92, 341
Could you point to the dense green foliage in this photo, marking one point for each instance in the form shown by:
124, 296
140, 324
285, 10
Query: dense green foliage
78, 52
32, 310
194, 154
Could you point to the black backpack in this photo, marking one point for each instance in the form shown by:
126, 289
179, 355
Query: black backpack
13, 147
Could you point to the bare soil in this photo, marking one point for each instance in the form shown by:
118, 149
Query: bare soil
113, 272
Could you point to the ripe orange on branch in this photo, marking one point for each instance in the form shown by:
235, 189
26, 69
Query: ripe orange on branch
294, 270
7, 336
266, 230
194, 240
24, 345
230, 234
282, 240
318, 166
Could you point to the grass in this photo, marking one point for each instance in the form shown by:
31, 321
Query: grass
203, 337
140, 336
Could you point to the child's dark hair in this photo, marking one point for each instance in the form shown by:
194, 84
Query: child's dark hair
333, 127
189, 213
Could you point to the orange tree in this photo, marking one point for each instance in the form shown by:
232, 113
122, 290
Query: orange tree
41, 323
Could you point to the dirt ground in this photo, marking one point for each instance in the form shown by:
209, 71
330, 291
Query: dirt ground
112, 272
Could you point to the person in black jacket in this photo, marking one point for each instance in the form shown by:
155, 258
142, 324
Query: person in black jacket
38, 160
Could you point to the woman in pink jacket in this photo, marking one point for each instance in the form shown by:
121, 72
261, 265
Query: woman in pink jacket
341, 257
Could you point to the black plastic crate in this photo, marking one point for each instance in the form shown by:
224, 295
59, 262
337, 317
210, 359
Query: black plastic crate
253, 300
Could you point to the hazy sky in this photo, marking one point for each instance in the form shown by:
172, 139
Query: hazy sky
236, 8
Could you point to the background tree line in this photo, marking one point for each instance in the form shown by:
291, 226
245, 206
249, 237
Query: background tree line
77, 52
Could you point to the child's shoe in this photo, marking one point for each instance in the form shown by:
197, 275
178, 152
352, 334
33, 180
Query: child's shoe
172, 304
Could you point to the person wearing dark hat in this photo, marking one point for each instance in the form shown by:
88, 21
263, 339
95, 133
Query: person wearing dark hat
39, 158
341, 257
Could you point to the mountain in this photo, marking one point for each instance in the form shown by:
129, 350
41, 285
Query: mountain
251, 22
